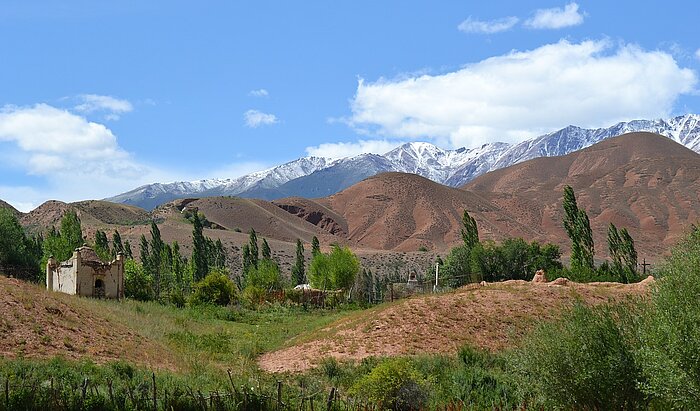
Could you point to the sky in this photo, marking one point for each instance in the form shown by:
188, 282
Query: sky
99, 97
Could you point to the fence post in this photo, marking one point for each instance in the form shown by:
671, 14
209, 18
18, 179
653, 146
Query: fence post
279, 395
155, 394
330, 399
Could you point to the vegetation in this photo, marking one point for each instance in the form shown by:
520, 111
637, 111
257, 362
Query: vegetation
17, 251
578, 228
299, 268
216, 288
334, 271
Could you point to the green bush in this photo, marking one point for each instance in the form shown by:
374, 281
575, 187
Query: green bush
265, 277
669, 351
334, 271
216, 288
137, 284
393, 384
584, 361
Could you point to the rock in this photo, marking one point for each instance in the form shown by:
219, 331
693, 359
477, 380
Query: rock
539, 277
560, 281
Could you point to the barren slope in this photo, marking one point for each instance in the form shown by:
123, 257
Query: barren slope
37, 323
641, 181
493, 317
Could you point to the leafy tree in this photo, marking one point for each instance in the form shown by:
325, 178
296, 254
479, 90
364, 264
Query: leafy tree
117, 246
71, 231
200, 265
469, 231
128, 253
578, 228
178, 265
215, 288
247, 263
622, 253
336, 270
253, 247
299, 270
315, 247
16, 249
266, 252
219, 260
457, 269
144, 251
137, 283
365, 287
155, 261
266, 276
102, 246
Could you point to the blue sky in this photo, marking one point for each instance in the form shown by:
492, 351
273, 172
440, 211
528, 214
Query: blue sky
99, 97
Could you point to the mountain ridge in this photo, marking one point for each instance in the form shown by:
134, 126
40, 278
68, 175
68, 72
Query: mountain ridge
317, 176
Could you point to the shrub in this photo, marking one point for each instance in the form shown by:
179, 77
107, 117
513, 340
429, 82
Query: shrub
670, 332
334, 271
584, 361
265, 277
393, 384
215, 288
137, 284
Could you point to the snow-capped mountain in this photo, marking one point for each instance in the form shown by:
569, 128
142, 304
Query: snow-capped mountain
317, 177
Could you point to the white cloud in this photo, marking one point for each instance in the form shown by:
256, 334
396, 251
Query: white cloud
348, 149
487, 27
258, 93
556, 18
697, 54
111, 106
256, 118
523, 94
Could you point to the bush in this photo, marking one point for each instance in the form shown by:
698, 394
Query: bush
266, 277
584, 361
334, 271
216, 288
137, 284
670, 332
393, 384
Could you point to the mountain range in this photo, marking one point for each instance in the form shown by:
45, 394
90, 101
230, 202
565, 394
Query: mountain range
313, 177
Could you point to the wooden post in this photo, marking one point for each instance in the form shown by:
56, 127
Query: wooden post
155, 393
279, 395
331, 396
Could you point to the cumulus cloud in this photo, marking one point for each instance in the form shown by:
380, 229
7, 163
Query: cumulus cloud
112, 107
556, 18
258, 93
349, 149
487, 27
524, 93
256, 118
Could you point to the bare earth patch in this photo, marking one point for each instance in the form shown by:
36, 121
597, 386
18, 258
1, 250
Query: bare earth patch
492, 317
35, 323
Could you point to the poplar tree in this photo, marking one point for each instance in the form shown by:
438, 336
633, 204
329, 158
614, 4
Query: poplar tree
128, 253
200, 266
470, 232
578, 228
117, 246
315, 247
299, 270
156, 257
253, 247
102, 245
266, 252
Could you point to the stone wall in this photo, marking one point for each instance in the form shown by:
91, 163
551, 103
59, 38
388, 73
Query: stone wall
86, 275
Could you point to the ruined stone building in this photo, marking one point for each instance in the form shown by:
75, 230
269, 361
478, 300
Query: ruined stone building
86, 275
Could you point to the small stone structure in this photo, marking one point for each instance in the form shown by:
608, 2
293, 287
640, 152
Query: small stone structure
86, 275
539, 277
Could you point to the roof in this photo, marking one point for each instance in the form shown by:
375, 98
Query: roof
88, 254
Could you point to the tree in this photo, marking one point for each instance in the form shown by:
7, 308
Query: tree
622, 253
470, 232
128, 253
102, 246
71, 231
137, 283
266, 252
144, 251
245, 256
117, 246
457, 269
219, 255
298, 269
200, 265
178, 265
315, 247
266, 276
253, 247
336, 270
16, 249
578, 228
155, 260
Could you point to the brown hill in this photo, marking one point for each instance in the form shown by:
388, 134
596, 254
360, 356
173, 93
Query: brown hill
40, 324
642, 181
403, 212
492, 317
